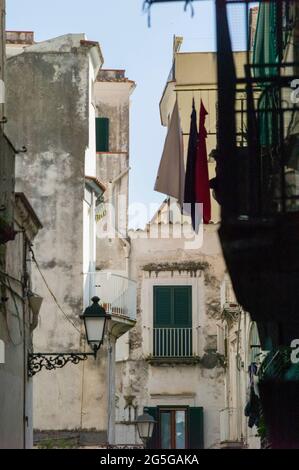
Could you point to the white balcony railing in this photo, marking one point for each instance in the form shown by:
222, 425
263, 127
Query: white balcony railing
117, 293
230, 425
172, 342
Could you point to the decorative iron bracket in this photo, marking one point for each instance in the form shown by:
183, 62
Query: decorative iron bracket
51, 361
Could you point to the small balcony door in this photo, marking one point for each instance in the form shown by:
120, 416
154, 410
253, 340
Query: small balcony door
172, 321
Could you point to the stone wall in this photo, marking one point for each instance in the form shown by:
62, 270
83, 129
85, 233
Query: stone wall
195, 382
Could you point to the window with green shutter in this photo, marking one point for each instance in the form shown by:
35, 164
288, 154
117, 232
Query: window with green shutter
196, 428
102, 134
172, 321
172, 306
154, 441
177, 427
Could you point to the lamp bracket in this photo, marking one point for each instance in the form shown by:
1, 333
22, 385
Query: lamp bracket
51, 361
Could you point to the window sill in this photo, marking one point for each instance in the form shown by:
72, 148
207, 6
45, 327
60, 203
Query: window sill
160, 361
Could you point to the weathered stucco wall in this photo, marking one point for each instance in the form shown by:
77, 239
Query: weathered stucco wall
16, 426
112, 99
12, 388
49, 105
241, 338
167, 262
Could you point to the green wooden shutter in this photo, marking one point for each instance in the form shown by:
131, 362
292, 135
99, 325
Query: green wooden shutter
182, 314
196, 428
154, 412
173, 306
173, 321
102, 134
162, 307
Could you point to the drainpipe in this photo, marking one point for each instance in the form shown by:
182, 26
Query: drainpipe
113, 182
111, 389
26, 340
127, 249
120, 176
125, 242
24, 280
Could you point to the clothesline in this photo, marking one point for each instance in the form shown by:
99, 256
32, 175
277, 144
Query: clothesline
195, 89
212, 133
209, 89
208, 133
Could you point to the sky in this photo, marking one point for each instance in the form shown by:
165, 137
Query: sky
128, 43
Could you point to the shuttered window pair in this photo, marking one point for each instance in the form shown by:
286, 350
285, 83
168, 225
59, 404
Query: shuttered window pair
173, 307
177, 428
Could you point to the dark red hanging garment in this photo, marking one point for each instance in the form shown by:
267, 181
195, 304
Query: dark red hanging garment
202, 185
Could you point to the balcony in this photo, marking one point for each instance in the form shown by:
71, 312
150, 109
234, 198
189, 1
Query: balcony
172, 343
230, 429
118, 296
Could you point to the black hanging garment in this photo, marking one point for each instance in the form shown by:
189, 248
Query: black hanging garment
190, 196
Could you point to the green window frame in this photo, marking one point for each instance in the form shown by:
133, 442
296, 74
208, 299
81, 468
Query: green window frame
102, 134
172, 334
194, 426
172, 307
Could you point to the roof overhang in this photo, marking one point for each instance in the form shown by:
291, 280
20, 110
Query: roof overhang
96, 55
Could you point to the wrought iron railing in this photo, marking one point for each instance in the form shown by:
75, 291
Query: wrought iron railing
117, 293
172, 342
276, 364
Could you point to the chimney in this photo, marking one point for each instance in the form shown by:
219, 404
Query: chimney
20, 37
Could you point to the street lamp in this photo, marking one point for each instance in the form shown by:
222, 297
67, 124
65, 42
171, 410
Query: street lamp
145, 426
95, 320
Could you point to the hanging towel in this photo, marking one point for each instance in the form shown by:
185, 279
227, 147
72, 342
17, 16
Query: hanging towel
171, 174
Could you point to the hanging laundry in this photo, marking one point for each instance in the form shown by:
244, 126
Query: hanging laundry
253, 406
190, 196
202, 185
171, 174
252, 409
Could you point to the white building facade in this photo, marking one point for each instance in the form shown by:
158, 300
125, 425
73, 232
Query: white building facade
19, 306
239, 343
169, 365
74, 404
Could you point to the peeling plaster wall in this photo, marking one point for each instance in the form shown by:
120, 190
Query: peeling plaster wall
16, 426
238, 330
13, 386
200, 384
49, 109
112, 100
